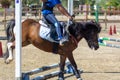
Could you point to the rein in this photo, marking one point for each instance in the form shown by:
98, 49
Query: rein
74, 40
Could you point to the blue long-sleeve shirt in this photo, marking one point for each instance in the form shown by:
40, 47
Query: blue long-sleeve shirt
51, 4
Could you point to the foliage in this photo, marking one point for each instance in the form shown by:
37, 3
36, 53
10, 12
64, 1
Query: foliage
64, 3
5, 3
76, 4
110, 3
102, 3
29, 2
114, 3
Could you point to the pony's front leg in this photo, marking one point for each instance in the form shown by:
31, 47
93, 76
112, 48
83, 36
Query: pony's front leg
62, 65
73, 63
10, 46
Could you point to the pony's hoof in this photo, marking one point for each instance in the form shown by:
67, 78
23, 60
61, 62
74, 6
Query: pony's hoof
61, 79
7, 61
79, 79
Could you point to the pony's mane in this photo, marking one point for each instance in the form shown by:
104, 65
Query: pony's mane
93, 25
75, 28
81, 27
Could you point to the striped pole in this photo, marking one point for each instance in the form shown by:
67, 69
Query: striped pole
109, 45
102, 43
26, 76
49, 75
18, 40
44, 68
110, 39
52, 74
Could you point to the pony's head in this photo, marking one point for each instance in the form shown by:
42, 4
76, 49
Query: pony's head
90, 32
87, 30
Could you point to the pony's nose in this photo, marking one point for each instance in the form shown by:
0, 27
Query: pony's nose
96, 47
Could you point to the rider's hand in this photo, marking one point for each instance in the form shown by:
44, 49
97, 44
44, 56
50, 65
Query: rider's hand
70, 21
44, 0
70, 18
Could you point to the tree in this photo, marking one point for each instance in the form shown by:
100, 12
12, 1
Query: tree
64, 3
114, 3
5, 3
110, 3
29, 2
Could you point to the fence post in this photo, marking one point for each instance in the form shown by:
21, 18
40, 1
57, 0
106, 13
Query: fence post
4, 18
87, 12
105, 19
96, 13
39, 13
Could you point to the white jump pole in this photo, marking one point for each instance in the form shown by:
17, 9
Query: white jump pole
18, 74
70, 7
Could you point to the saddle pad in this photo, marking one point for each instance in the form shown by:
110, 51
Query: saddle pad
44, 32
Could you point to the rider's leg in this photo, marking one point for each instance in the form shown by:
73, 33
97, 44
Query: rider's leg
52, 19
58, 30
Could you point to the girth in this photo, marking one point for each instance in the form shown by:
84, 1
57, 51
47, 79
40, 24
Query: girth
55, 48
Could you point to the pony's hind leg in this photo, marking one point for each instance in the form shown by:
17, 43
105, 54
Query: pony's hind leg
6, 54
73, 63
62, 65
10, 46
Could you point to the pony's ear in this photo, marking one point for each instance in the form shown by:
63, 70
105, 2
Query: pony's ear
93, 21
97, 25
99, 28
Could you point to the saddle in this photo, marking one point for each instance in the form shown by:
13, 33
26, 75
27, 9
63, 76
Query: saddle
48, 31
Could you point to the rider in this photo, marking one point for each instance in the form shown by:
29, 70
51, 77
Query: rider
47, 12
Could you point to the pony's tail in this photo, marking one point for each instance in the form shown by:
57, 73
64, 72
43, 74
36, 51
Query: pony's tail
9, 30
9, 35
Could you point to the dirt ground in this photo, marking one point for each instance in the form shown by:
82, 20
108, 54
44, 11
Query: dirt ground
103, 64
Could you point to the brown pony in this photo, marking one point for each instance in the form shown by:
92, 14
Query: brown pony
30, 35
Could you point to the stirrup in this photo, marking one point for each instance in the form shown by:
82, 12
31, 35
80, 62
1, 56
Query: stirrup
62, 41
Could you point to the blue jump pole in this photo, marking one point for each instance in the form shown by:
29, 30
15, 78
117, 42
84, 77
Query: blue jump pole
25, 76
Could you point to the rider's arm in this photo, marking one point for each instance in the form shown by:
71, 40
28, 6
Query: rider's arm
44, 0
63, 10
